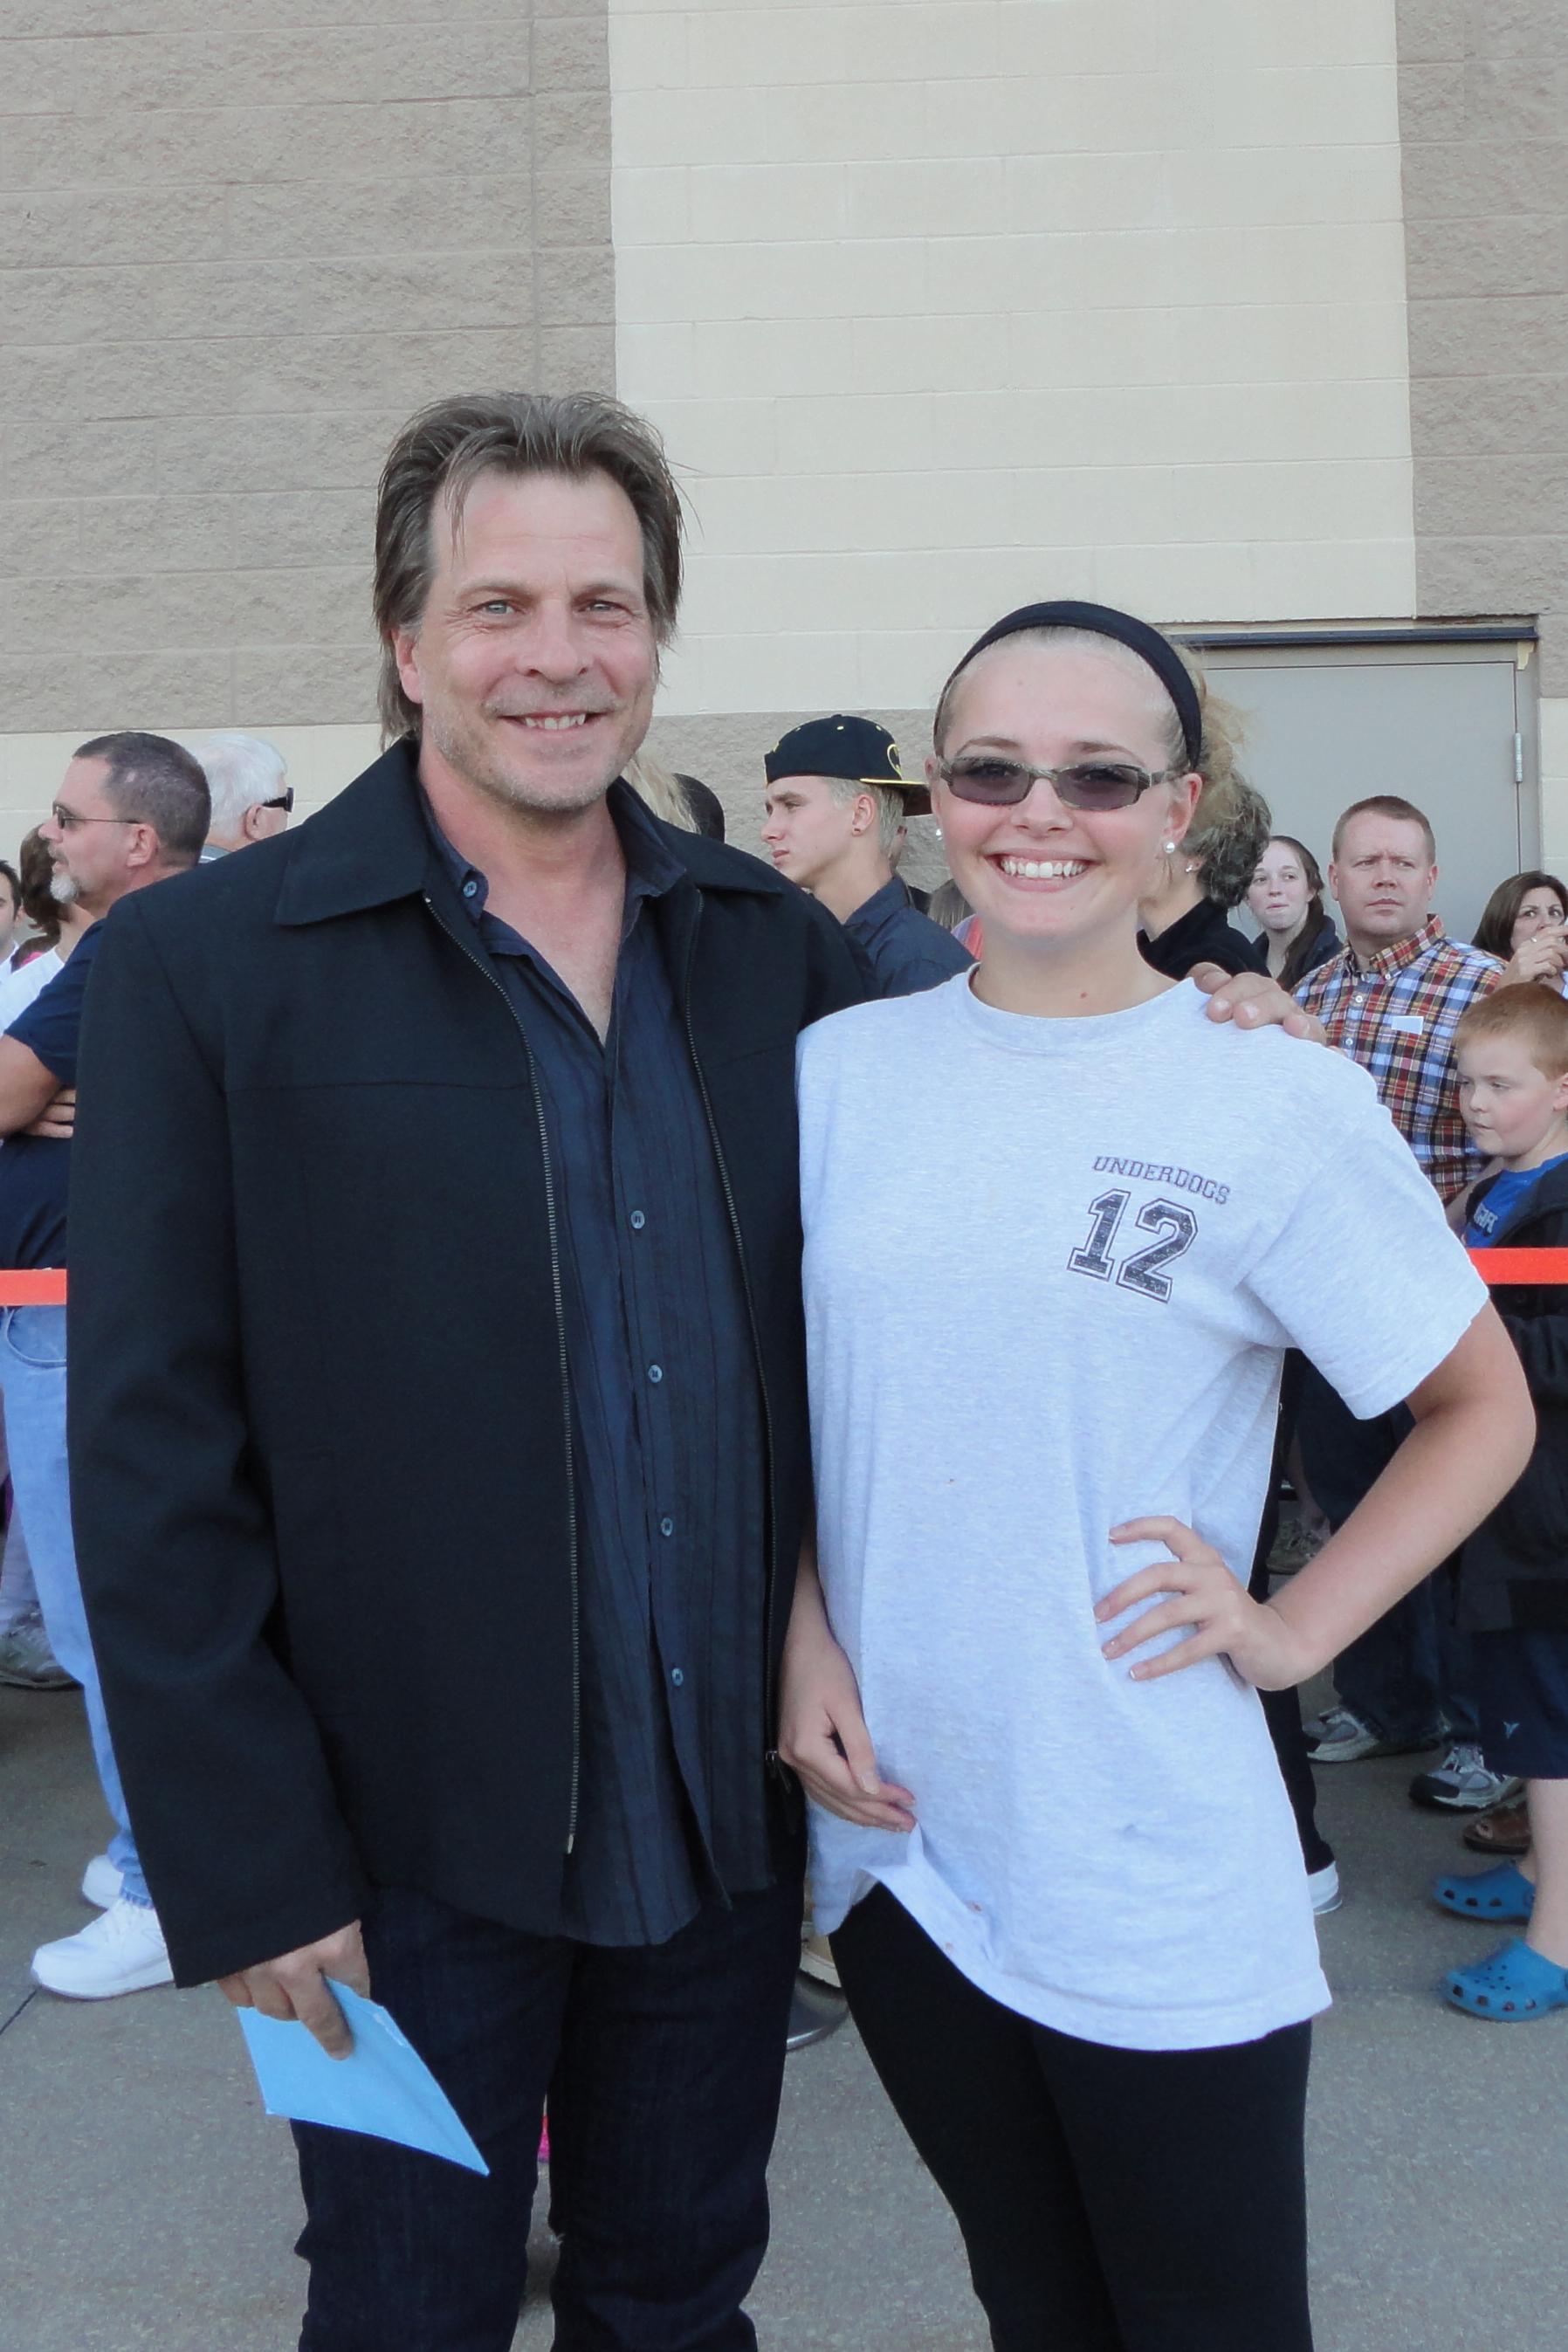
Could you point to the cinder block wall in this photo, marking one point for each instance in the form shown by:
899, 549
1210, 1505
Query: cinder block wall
946, 307
240, 252
1484, 117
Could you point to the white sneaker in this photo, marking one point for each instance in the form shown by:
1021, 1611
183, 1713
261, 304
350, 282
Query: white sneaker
1323, 1886
122, 1950
26, 1660
101, 1882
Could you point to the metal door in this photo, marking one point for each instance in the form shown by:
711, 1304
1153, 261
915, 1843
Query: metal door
1447, 725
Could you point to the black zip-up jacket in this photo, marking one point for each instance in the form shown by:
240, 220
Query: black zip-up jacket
1513, 1572
319, 1425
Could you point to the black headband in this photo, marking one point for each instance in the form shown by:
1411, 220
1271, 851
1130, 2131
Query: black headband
1105, 621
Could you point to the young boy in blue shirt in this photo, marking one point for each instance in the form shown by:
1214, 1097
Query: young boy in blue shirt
1511, 1050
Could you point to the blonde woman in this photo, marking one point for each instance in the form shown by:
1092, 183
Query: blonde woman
1049, 1836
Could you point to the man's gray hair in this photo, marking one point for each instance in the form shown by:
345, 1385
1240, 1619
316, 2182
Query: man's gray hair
446, 447
242, 772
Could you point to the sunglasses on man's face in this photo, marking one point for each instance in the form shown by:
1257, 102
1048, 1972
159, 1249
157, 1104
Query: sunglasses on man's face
1087, 785
284, 800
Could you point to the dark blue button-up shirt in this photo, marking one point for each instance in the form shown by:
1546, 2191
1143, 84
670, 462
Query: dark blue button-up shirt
668, 1443
906, 950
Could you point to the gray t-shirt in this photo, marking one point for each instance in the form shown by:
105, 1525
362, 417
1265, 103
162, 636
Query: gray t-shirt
1110, 1230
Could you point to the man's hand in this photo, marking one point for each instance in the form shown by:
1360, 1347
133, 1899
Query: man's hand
1541, 958
293, 1987
1200, 1594
57, 1121
1253, 1000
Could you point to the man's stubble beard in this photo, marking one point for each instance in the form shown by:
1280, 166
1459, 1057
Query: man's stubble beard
64, 889
468, 753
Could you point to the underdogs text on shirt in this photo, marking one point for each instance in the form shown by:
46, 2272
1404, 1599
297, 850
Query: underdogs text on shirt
1179, 1180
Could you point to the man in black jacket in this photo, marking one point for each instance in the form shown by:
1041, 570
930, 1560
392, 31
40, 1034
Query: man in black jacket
435, 1233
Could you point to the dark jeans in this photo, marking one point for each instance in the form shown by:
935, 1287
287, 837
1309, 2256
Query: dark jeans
1111, 2201
663, 2067
1409, 1675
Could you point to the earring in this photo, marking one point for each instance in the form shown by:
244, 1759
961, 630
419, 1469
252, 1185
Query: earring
1170, 849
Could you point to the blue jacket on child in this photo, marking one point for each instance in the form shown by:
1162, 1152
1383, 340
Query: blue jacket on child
1513, 1572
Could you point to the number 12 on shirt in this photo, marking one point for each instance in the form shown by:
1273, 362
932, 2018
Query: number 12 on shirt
1174, 1223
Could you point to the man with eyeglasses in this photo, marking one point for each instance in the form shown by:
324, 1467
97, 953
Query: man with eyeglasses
836, 806
251, 799
132, 810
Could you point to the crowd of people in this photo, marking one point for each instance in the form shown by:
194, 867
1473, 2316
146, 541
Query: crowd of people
501, 1184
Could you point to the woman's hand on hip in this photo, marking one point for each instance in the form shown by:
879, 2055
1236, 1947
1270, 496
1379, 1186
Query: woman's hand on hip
1195, 1592
823, 1738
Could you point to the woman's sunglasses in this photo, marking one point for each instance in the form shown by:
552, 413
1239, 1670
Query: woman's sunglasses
1089, 784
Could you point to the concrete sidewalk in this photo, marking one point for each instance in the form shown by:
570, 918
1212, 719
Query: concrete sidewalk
145, 2200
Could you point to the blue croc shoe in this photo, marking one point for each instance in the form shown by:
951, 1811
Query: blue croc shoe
1512, 1984
1500, 1895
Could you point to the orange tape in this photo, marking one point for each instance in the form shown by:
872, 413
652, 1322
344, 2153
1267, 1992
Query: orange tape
46, 1287
1497, 1265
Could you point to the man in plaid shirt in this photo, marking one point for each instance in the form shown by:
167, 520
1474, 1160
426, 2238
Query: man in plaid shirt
1392, 999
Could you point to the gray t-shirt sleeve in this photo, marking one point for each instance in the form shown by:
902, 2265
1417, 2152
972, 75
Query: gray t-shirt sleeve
1365, 1275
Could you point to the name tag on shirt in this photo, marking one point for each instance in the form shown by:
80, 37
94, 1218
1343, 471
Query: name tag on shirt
1411, 1025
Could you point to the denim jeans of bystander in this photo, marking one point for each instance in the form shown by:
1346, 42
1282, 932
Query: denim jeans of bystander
33, 1380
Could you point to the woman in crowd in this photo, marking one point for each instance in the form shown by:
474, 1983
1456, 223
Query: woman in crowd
10, 911
1286, 897
1196, 883
1523, 924
1050, 1838
53, 930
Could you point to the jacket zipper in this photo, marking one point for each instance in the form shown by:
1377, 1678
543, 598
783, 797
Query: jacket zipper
549, 1220
770, 1732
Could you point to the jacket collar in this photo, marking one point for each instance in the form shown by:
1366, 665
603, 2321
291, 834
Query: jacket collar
371, 846
1549, 1195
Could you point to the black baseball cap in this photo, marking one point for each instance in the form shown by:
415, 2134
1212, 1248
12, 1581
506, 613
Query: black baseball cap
856, 748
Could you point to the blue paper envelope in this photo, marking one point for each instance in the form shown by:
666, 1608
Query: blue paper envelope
383, 2086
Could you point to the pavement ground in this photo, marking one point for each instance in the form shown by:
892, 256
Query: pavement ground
145, 2201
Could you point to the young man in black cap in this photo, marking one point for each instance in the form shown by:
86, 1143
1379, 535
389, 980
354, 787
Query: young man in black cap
837, 805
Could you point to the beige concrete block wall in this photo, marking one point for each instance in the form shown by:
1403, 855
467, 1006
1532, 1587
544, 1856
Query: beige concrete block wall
240, 251
1486, 198
945, 307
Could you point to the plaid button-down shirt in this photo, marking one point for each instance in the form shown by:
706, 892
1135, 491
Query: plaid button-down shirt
1397, 1015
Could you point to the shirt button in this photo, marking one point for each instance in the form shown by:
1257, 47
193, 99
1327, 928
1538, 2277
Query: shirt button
471, 890
638, 1221
656, 1373
675, 1676
667, 1527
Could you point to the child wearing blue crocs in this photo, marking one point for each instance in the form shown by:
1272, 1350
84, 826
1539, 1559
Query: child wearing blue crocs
1511, 1050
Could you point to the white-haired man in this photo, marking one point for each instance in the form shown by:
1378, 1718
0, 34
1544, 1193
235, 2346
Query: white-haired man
251, 796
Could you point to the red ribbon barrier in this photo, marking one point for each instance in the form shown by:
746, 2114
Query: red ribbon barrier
1496, 1266
47, 1287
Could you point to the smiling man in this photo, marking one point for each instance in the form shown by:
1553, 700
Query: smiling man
465, 1263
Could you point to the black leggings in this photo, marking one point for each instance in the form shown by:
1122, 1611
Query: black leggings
1112, 2200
